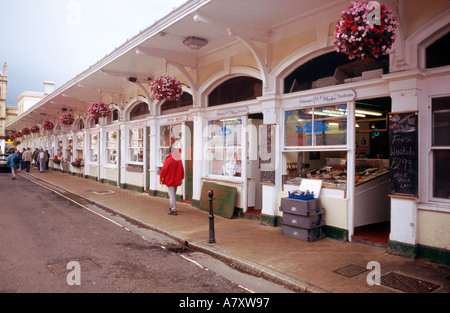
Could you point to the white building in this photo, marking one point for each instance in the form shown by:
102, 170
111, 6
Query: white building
246, 64
27, 99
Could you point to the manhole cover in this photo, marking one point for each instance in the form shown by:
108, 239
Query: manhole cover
350, 270
61, 267
407, 284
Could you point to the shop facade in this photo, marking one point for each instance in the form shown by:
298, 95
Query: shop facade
327, 117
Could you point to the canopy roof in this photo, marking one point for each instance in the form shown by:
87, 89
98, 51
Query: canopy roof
224, 24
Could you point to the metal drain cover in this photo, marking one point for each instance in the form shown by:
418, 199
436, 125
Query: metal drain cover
61, 267
350, 270
407, 284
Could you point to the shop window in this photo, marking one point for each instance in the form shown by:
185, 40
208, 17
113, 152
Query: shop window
136, 145
437, 53
69, 149
225, 147
441, 147
111, 147
332, 69
175, 106
319, 126
93, 148
80, 146
234, 90
59, 147
170, 136
139, 111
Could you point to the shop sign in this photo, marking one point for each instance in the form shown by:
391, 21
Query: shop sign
177, 119
328, 98
232, 112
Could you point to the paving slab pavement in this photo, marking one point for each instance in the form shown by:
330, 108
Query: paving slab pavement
255, 248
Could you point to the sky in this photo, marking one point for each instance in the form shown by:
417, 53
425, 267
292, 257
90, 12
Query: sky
55, 40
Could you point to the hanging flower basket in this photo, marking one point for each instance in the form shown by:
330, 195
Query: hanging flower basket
12, 136
18, 134
47, 125
166, 88
67, 119
26, 131
34, 129
99, 109
365, 32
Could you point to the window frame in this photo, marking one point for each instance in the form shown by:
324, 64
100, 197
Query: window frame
234, 147
131, 148
91, 148
314, 146
430, 152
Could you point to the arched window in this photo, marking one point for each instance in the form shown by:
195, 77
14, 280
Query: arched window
139, 111
79, 125
236, 89
437, 53
330, 69
114, 117
175, 106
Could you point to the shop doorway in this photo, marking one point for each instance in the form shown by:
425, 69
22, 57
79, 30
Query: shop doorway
372, 204
254, 173
188, 188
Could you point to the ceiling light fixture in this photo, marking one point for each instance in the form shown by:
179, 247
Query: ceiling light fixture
195, 43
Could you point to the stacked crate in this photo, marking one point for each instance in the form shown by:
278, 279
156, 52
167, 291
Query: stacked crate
302, 219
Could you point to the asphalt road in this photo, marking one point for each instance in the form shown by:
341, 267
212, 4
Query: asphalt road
43, 231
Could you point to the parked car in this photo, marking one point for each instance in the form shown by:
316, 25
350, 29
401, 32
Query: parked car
3, 166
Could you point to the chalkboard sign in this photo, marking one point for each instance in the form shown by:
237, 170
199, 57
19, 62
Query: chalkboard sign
403, 154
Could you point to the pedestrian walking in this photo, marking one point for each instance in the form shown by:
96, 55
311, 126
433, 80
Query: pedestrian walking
22, 162
36, 158
172, 175
27, 157
48, 159
13, 162
42, 160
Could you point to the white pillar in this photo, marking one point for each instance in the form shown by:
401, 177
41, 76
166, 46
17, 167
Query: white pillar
200, 163
272, 115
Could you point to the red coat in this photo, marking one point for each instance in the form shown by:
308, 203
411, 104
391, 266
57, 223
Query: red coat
172, 172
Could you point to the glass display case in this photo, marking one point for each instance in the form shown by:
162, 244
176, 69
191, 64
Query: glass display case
333, 172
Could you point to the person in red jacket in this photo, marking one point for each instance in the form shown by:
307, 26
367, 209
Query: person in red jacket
172, 175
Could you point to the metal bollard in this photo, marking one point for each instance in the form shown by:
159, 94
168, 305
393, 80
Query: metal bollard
211, 217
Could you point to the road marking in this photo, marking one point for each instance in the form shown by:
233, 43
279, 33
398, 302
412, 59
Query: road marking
77, 203
196, 263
